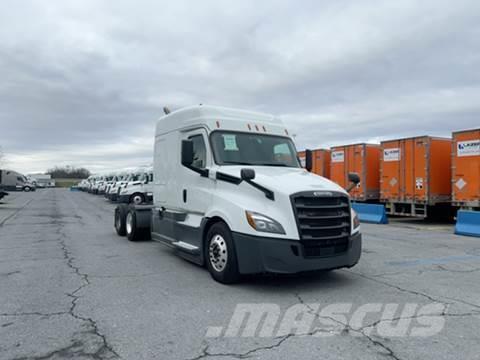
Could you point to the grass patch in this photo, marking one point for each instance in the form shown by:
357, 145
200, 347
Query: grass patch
65, 183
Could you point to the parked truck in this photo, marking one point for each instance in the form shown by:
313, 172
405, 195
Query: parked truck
230, 194
138, 188
13, 181
118, 181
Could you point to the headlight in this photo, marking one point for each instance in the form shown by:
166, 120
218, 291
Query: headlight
263, 223
356, 220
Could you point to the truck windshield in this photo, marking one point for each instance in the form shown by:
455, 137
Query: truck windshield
134, 177
237, 148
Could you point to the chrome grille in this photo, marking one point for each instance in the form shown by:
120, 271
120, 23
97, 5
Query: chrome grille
323, 222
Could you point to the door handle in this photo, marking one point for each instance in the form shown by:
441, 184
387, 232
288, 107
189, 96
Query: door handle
184, 195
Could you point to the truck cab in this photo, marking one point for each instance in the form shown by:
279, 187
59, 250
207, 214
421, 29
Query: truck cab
106, 182
229, 193
117, 181
138, 189
13, 181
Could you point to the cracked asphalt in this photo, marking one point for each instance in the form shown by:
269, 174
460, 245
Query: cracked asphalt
70, 288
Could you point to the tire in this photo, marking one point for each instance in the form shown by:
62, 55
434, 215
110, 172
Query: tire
119, 220
137, 199
220, 254
133, 232
27, 189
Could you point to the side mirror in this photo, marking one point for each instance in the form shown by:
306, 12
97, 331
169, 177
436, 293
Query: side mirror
308, 160
247, 174
187, 152
354, 179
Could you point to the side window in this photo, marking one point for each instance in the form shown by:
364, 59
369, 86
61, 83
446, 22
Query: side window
199, 151
19, 179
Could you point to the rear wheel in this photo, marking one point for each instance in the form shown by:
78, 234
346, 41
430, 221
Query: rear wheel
220, 254
133, 232
137, 199
120, 220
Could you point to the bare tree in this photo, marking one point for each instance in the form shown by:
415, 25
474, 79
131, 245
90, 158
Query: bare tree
68, 172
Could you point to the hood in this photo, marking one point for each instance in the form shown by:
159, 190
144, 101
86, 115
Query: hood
285, 180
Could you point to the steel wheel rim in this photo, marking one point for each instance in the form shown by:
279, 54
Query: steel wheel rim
129, 223
137, 200
217, 253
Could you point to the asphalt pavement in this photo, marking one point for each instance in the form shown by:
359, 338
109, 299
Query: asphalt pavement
70, 288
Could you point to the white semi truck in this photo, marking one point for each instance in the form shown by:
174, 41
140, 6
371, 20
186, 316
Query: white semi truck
229, 194
138, 189
118, 181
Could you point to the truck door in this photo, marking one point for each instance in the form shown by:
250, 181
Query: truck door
19, 183
194, 191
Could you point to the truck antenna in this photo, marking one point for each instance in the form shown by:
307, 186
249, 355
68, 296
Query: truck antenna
166, 110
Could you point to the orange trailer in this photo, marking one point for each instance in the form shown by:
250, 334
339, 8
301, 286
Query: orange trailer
363, 159
320, 161
415, 174
466, 168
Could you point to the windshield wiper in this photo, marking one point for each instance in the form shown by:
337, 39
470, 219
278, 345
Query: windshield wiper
238, 163
255, 164
273, 164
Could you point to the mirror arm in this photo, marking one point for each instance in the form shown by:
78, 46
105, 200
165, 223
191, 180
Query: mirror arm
269, 194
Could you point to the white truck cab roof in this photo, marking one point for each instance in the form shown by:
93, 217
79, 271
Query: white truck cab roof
220, 118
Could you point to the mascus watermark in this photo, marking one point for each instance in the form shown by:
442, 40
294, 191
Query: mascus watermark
385, 320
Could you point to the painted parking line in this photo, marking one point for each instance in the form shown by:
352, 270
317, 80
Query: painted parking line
14, 212
434, 261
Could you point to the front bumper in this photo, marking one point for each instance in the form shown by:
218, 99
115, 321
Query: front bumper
257, 254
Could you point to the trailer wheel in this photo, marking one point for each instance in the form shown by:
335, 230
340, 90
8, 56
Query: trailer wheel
137, 199
133, 232
120, 218
220, 254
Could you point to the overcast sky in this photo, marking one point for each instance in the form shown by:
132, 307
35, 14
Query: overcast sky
82, 82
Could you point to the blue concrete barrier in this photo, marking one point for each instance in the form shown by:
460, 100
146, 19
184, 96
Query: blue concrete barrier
371, 213
468, 223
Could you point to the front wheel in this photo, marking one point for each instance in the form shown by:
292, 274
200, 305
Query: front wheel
27, 189
220, 254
